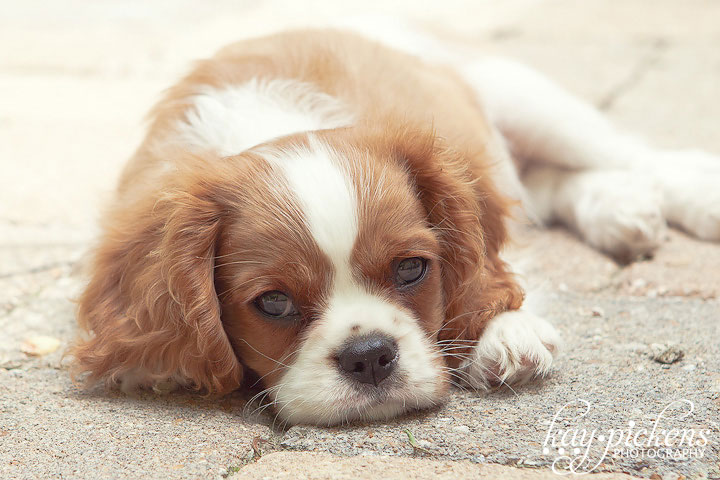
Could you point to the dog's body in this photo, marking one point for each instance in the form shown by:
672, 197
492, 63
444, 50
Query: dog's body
330, 214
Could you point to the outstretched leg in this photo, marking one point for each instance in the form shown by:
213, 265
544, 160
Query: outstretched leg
615, 211
579, 170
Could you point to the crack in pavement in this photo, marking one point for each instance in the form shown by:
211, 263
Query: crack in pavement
637, 73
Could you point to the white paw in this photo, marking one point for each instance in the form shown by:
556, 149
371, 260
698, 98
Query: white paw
690, 181
619, 213
515, 347
691, 188
682, 160
696, 208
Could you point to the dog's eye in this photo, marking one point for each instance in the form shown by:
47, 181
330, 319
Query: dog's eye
410, 270
276, 304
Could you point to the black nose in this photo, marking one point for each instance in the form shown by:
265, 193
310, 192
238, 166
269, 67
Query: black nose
369, 359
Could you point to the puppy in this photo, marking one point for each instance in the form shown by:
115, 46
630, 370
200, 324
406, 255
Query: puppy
329, 213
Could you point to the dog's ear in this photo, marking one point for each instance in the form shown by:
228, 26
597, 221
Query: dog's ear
151, 308
468, 214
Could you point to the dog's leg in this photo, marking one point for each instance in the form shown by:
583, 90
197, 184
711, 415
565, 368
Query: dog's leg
615, 211
546, 125
690, 182
615, 191
497, 336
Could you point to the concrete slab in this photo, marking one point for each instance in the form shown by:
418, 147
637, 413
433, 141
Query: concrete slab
75, 80
321, 466
605, 362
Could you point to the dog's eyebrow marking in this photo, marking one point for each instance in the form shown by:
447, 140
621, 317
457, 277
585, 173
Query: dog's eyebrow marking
233, 118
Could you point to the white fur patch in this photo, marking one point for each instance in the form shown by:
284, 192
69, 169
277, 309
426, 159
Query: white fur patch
546, 124
515, 347
326, 196
312, 389
690, 182
232, 119
616, 211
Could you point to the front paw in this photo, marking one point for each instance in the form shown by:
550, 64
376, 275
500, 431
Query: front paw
514, 348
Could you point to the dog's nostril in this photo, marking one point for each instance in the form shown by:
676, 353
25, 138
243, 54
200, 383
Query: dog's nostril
369, 359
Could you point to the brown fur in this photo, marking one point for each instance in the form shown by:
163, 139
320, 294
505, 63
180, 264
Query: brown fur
172, 278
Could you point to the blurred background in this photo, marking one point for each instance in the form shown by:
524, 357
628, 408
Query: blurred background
77, 76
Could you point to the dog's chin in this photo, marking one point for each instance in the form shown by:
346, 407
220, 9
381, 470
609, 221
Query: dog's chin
356, 404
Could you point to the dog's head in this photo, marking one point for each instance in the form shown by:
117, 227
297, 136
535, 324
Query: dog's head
335, 265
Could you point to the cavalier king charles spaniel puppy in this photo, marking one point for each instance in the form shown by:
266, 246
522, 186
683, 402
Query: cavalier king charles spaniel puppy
329, 213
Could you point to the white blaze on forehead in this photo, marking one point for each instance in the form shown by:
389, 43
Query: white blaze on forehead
313, 388
233, 118
327, 198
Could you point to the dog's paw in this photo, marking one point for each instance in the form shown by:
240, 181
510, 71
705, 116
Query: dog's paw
620, 213
691, 189
685, 160
515, 347
697, 208
690, 183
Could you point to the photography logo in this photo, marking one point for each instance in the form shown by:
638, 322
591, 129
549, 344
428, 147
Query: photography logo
579, 448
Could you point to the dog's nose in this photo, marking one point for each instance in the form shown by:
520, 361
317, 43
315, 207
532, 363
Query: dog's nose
369, 359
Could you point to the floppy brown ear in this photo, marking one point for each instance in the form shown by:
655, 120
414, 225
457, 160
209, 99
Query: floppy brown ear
468, 213
151, 307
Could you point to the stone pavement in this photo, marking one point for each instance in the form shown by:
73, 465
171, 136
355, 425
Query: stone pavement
75, 80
